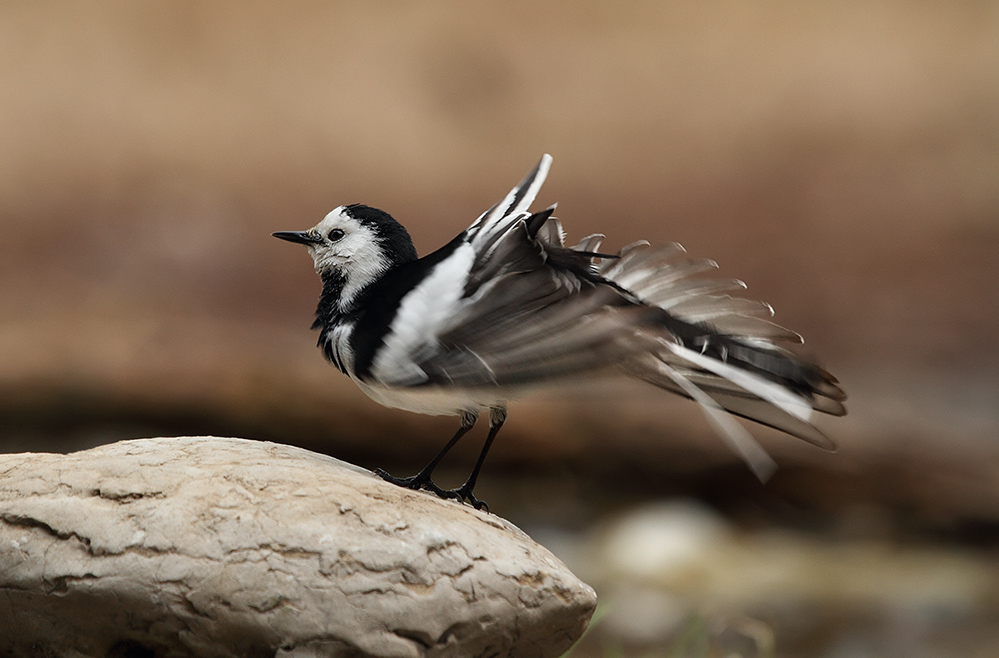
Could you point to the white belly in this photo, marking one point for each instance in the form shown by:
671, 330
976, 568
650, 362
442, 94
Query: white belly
436, 401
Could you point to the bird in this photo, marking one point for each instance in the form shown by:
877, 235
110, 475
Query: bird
506, 308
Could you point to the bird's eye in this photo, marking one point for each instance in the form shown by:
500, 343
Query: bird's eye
335, 234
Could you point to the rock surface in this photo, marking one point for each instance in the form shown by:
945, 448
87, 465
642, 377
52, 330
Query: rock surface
215, 547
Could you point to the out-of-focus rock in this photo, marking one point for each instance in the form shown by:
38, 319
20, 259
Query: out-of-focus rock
665, 537
665, 561
688, 550
215, 547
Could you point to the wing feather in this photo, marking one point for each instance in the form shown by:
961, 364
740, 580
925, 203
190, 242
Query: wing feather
533, 310
513, 205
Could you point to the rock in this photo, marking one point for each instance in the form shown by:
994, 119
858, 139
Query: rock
218, 547
666, 536
665, 565
687, 550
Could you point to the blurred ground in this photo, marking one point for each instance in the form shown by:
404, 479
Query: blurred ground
842, 160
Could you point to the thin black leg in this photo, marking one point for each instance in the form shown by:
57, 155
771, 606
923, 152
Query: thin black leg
422, 479
497, 417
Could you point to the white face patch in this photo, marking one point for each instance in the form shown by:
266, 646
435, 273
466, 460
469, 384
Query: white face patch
356, 254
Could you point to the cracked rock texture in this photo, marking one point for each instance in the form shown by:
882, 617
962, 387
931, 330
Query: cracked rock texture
219, 547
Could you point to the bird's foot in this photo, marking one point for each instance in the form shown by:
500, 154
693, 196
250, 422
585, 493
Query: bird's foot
464, 493
416, 482
422, 481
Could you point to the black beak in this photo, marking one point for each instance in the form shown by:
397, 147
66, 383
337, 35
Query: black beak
300, 237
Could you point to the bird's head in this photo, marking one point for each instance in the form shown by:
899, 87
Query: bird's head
356, 242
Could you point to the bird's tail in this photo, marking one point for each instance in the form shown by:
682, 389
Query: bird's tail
723, 352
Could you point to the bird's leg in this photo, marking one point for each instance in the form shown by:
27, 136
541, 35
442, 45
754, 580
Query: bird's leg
422, 479
497, 416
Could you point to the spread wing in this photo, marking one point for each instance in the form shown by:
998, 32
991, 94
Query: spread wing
533, 312
532, 309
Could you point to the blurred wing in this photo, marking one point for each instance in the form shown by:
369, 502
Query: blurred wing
533, 311
508, 306
727, 348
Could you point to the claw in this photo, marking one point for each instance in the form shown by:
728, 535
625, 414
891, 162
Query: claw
423, 481
415, 482
464, 493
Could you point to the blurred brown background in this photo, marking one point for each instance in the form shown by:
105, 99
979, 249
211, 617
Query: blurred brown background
843, 160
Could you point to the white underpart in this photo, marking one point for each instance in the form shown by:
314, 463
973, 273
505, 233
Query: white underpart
339, 336
776, 395
423, 313
438, 400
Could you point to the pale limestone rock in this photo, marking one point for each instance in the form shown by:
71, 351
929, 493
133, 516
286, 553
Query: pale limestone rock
218, 547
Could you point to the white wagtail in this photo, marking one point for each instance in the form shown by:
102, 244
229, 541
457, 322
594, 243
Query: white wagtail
506, 307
